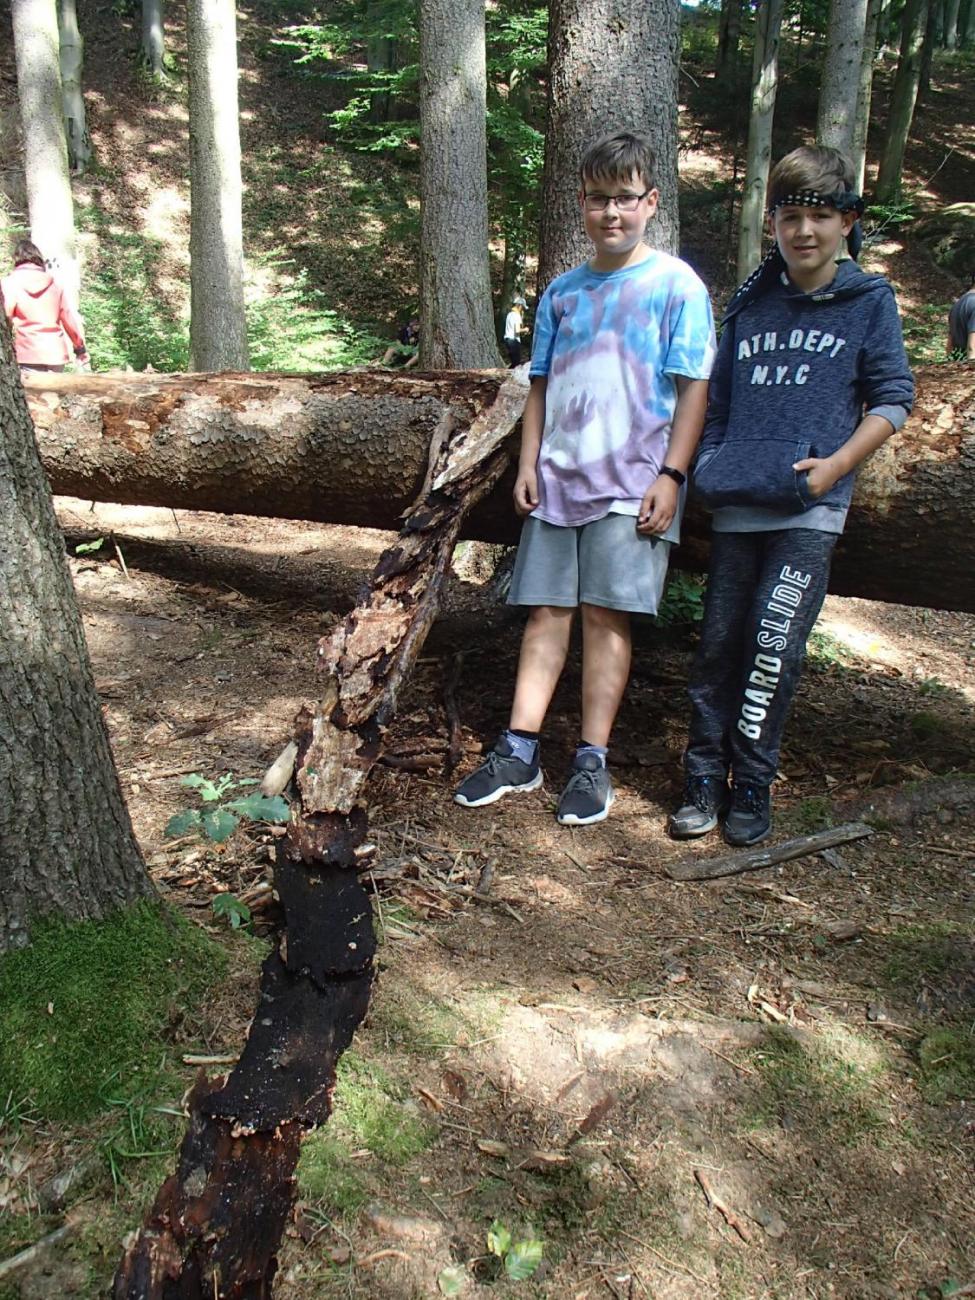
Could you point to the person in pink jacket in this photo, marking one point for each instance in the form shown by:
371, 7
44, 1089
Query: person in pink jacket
42, 320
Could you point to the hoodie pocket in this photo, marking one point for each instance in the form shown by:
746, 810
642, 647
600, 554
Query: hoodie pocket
756, 472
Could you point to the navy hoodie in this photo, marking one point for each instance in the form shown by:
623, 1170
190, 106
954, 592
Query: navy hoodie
794, 375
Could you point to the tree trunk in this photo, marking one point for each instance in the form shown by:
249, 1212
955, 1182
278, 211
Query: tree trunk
36, 44
218, 329
72, 59
380, 57
861, 129
353, 449
968, 24
884, 27
765, 82
456, 317
217, 1223
154, 37
729, 33
839, 90
902, 100
952, 10
66, 842
612, 64
512, 278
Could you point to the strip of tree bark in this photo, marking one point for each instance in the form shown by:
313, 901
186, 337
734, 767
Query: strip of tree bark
214, 1230
353, 448
734, 864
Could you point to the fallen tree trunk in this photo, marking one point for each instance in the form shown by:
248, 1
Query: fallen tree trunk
215, 1227
353, 448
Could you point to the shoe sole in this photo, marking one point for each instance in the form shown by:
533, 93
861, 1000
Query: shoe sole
501, 791
677, 834
570, 819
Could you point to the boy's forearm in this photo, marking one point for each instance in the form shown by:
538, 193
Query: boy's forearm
685, 430
532, 424
872, 432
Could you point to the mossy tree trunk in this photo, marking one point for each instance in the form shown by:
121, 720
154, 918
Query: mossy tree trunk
861, 127
66, 842
765, 84
154, 37
456, 315
612, 64
839, 89
72, 68
218, 329
903, 98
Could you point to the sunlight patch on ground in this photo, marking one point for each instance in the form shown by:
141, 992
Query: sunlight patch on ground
166, 214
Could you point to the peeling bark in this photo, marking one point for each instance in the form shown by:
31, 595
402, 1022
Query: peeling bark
214, 1230
353, 448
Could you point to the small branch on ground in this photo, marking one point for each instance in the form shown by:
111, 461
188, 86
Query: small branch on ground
756, 859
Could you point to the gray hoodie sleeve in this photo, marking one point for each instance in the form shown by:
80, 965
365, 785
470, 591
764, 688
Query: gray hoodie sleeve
885, 375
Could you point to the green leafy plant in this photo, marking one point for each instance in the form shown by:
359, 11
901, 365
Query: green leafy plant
519, 1258
231, 908
219, 818
85, 548
683, 600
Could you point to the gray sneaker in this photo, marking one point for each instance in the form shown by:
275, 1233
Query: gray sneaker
588, 795
501, 773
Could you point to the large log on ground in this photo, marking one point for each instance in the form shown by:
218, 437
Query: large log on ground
353, 448
216, 1224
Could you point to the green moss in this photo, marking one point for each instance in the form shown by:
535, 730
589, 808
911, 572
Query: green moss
812, 814
326, 1174
412, 1022
918, 951
369, 1108
926, 726
947, 1059
85, 1007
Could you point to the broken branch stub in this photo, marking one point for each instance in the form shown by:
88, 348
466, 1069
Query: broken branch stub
214, 1230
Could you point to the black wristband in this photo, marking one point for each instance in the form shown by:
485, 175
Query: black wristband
679, 478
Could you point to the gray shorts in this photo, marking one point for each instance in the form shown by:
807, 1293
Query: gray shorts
604, 563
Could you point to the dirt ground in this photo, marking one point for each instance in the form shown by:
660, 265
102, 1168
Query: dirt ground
760, 1086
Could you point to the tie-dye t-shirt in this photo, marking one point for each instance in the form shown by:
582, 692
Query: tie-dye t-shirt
610, 343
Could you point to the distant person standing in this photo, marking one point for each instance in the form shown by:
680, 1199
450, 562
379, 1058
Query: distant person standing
42, 320
513, 325
961, 325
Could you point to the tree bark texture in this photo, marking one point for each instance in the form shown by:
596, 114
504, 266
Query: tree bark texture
352, 448
154, 37
72, 58
861, 126
218, 329
66, 842
49, 202
967, 24
952, 10
729, 34
902, 100
214, 1230
839, 89
612, 66
765, 84
456, 311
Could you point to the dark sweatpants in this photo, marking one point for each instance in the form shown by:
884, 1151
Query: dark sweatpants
764, 593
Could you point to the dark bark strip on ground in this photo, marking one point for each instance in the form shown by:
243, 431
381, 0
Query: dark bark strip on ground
352, 449
214, 1229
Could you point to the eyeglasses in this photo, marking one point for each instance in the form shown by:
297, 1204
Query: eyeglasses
624, 202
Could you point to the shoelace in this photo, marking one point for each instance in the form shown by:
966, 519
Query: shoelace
583, 776
748, 798
700, 793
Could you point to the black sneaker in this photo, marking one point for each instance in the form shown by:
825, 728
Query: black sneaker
501, 773
706, 800
750, 818
588, 794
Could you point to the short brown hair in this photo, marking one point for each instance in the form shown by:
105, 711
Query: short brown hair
810, 167
616, 157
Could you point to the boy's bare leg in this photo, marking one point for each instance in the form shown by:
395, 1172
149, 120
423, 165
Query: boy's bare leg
605, 669
544, 647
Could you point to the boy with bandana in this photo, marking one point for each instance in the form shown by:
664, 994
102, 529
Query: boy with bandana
811, 377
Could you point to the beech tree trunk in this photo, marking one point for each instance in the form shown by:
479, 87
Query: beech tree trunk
154, 37
66, 842
456, 314
967, 24
861, 126
72, 58
49, 202
218, 329
952, 10
765, 84
352, 448
839, 90
612, 65
902, 100
215, 1227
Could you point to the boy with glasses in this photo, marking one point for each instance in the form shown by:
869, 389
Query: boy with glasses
623, 347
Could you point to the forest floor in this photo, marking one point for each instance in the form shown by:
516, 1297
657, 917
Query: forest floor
573, 1052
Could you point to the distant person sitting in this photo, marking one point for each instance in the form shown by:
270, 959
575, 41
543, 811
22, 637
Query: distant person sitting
41, 318
405, 351
513, 327
961, 325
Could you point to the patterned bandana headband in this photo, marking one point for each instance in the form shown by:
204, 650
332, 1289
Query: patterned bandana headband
841, 200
